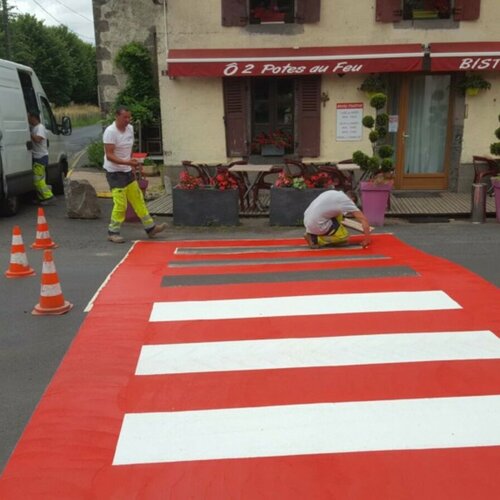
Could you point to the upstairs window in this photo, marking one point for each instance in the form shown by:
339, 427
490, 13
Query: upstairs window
244, 12
427, 9
272, 11
392, 11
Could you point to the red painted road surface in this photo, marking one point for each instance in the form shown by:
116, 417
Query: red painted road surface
68, 449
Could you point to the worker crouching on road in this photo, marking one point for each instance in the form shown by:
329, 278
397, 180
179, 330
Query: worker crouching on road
120, 169
323, 219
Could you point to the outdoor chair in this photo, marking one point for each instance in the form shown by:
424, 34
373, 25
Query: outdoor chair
240, 178
198, 170
485, 167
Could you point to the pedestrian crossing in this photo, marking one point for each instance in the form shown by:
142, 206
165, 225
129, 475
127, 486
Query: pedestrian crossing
335, 385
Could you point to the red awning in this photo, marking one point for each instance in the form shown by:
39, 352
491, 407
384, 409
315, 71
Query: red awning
465, 56
295, 61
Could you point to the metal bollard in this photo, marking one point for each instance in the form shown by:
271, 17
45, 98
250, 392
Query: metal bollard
478, 203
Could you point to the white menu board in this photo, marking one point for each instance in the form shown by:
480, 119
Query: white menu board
349, 121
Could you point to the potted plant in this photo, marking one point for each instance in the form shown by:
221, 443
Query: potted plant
373, 84
495, 181
290, 196
378, 168
196, 203
273, 143
472, 83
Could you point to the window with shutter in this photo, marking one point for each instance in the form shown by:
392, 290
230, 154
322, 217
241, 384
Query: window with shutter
308, 124
236, 116
466, 10
395, 10
308, 11
242, 12
388, 11
234, 12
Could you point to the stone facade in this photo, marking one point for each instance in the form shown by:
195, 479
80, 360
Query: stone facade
118, 22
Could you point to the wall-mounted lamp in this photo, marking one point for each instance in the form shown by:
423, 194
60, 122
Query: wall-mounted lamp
324, 98
340, 75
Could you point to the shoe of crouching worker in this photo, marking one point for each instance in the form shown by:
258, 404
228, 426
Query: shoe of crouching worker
116, 238
312, 240
158, 228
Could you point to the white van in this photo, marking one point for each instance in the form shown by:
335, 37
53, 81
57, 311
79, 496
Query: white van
20, 92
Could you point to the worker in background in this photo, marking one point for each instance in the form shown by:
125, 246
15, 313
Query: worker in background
323, 219
40, 158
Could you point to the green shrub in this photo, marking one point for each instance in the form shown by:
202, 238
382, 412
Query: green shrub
495, 147
387, 165
380, 162
95, 153
382, 120
373, 83
368, 121
378, 101
385, 151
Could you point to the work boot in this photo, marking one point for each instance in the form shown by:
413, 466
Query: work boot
116, 238
158, 228
312, 240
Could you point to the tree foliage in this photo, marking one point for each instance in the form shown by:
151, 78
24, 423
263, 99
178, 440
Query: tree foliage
139, 94
64, 64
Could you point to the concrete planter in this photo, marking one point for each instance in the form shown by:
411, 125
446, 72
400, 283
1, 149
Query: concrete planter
288, 205
205, 207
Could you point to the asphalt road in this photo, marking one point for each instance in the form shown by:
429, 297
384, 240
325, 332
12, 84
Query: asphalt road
32, 347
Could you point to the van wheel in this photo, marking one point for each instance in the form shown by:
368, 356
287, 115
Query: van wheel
9, 206
58, 186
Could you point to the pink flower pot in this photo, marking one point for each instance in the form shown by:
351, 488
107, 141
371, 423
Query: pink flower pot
374, 200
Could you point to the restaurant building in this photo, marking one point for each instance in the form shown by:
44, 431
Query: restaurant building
232, 72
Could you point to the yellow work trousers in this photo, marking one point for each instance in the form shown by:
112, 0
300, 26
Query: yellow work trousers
43, 190
132, 194
338, 237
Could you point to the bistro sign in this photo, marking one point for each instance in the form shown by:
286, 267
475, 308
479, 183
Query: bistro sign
473, 56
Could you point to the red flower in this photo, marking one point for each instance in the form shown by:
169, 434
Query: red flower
224, 180
188, 181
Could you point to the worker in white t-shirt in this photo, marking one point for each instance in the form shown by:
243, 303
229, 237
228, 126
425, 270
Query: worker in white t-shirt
40, 158
120, 169
323, 219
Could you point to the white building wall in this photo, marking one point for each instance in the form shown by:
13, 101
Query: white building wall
192, 108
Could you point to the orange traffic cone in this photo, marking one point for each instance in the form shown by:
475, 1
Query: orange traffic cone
51, 297
19, 267
43, 239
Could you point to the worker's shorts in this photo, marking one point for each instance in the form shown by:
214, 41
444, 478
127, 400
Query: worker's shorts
337, 234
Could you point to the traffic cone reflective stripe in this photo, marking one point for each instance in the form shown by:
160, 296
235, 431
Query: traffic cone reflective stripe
19, 267
43, 239
51, 297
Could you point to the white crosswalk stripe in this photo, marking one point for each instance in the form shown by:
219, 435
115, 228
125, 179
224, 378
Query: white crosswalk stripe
306, 305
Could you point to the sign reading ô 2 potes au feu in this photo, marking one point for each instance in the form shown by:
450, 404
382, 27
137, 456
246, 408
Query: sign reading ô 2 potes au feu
294, 61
